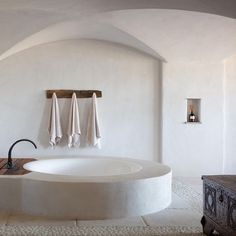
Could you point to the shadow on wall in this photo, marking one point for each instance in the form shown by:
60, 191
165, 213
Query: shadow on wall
42, 132
158, 112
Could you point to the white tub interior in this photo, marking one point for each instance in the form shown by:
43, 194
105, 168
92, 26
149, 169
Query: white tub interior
83, 167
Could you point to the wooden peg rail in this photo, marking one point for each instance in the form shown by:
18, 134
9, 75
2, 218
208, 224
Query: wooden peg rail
68, 93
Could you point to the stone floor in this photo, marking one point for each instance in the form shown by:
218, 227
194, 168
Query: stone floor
179, 213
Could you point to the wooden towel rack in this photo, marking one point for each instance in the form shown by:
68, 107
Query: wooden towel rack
68, 93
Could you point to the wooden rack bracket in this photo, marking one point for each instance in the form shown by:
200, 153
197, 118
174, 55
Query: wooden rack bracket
68, 93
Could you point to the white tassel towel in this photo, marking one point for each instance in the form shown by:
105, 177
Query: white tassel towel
54, 129
93, 130
74, 124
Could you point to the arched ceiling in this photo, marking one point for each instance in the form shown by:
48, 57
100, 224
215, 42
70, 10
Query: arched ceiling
85, 7
174, 34
81, 30
181, 35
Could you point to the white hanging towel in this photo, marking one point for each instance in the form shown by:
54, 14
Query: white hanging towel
93, 130
54, 129
74, 124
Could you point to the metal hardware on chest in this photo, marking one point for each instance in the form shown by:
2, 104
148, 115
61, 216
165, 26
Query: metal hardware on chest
210, 200
231, 216
221, 197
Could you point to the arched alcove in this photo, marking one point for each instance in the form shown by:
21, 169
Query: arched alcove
130, 109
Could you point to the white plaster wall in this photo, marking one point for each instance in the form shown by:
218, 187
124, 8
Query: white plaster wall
129, 110
193, 149
230, 116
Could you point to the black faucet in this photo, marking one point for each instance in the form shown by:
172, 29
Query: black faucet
9, 160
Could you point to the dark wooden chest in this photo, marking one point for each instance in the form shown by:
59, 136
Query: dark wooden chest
219, 205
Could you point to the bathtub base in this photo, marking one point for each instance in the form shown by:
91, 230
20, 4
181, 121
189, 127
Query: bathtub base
96, 201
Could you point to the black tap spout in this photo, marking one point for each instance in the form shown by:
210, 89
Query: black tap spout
9, 160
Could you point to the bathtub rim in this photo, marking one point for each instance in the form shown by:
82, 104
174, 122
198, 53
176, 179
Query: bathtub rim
150, 170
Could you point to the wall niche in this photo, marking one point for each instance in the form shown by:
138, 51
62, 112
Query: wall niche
193, 110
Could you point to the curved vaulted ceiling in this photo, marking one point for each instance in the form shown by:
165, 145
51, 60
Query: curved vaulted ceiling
85, 7
181, 35
81, 30
175, 35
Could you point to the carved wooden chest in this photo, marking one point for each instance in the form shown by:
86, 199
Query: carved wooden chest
219, 205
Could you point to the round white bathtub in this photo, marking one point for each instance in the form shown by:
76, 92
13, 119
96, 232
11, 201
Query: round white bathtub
92, 188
